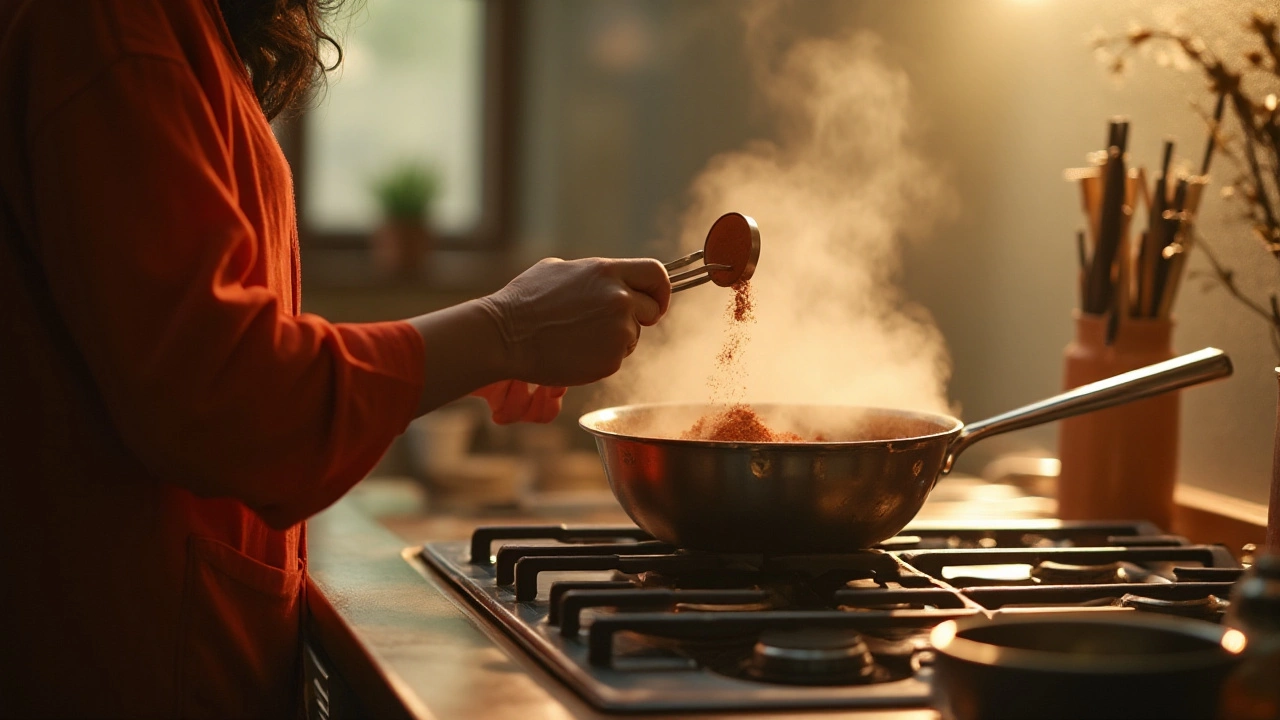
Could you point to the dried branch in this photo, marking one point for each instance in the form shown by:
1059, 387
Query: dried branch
1226, 278
1256, 187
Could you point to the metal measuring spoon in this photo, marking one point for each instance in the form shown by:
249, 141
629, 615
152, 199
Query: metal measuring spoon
729, 255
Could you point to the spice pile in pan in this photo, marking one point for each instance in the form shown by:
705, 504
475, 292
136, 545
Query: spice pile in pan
737, 421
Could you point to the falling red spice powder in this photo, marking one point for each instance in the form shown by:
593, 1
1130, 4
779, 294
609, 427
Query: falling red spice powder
738, 422
743, 306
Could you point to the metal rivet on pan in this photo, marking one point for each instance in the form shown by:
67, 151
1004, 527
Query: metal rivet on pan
761, 467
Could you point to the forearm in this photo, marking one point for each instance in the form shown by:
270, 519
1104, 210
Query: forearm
464, 351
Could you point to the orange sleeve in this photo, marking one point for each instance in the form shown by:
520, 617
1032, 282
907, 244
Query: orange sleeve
206, 377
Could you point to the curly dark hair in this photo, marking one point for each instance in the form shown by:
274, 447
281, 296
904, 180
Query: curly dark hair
281, 43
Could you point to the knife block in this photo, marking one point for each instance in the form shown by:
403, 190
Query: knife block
1120, 463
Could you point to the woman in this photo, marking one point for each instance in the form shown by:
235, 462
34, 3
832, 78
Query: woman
170, 417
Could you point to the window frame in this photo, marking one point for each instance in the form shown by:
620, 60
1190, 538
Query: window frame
499, 110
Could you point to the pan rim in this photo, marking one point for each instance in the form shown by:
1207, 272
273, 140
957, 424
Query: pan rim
952, 643
590, 420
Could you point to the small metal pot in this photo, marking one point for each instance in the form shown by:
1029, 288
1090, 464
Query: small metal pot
1102, 664
810, 497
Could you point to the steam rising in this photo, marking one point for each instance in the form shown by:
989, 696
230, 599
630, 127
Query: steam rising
833, 196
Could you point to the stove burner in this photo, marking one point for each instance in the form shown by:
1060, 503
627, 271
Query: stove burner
814, 656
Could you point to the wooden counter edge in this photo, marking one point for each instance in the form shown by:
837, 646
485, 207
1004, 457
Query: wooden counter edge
343, 539
1205, 516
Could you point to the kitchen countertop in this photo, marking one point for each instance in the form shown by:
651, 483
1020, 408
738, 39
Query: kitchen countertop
400, 641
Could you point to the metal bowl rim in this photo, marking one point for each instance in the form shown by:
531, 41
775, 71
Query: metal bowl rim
587, 420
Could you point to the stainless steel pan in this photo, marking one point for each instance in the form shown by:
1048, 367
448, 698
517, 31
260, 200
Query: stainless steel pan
857, 489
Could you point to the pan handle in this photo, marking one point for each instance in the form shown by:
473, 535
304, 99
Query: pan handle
1179, 372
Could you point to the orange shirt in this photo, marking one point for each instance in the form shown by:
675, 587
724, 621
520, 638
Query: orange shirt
168, 416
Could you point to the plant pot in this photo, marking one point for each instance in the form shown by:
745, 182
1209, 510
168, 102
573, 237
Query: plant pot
400, 248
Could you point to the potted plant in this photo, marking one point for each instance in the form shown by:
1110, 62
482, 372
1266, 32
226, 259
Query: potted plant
406, 194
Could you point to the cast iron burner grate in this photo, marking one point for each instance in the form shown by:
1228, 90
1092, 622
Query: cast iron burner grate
638, 625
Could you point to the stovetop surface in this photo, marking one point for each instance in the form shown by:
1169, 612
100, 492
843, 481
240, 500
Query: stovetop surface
632, 624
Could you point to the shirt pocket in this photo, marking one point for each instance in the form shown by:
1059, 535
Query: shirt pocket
241, 646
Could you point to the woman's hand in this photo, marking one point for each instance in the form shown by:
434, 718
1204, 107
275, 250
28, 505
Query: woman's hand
512, 401
574, 322
559, 323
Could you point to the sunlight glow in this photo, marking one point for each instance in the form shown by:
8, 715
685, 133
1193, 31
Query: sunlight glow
943, 634
1234, 641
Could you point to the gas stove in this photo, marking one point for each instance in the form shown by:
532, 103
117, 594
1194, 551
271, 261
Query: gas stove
636, 625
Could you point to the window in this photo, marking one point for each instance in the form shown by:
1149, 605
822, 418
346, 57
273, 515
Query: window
420, 81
